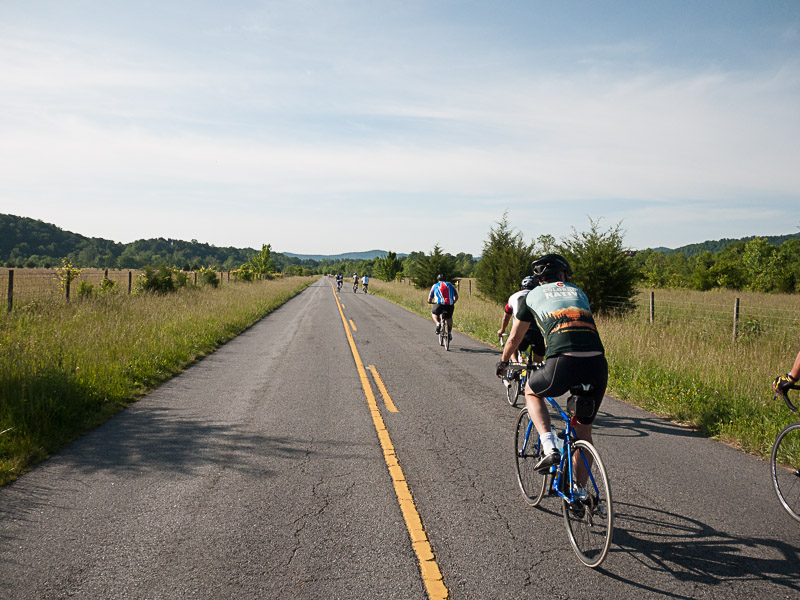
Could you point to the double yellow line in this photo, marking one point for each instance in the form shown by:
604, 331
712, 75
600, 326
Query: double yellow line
429, 568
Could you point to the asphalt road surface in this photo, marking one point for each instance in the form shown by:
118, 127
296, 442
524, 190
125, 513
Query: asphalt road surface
259, 473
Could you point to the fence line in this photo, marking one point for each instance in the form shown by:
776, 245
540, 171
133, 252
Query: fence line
22, 286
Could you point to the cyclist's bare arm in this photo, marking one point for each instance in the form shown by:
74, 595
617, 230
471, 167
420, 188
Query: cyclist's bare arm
518, 331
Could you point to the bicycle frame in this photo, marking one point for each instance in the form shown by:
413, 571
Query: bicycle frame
557, 473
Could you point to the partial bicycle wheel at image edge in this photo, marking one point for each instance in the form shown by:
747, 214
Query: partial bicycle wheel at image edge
590, 520
785, 466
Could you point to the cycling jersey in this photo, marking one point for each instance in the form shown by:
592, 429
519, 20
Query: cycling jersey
365, 281
562, 312
443, 292
533, 337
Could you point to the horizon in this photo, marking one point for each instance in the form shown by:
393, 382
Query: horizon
312, 256
278, 122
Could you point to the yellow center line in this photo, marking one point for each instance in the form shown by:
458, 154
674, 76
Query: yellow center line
353, 325
429, 568
387, 399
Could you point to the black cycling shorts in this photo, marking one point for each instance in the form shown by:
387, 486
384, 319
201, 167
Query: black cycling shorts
561, 372
446, 310
533, 338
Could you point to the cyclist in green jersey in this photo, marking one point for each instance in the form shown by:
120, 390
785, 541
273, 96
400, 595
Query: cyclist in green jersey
574, 353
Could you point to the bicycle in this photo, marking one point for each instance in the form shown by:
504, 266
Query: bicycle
339, 285
355, 287
516, 383
443, 334
785, 462
587, 510
365, 288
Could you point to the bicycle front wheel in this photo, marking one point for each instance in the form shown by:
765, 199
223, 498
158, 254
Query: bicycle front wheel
590, 520
527, 451
785, 465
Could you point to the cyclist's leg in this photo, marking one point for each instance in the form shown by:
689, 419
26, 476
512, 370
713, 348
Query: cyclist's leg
593, 370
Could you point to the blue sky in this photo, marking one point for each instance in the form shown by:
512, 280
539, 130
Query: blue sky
335, 126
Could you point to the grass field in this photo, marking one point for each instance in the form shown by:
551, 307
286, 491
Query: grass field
65, 368
685, 365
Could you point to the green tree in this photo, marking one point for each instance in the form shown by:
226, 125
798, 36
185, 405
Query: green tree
702, 275
505, 261
602, 267
261, 263
429, 266
388, 267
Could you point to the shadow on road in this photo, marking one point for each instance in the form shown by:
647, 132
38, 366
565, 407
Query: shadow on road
691, 551
609, 425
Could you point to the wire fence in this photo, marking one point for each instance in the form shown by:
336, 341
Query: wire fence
772, 315
20, 287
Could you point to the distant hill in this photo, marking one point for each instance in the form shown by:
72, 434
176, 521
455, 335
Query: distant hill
368, 255
715, 246
34, 243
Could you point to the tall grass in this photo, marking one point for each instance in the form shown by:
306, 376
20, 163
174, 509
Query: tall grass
684, 366
65, 368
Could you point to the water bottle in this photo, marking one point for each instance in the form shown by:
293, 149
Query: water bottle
559, 440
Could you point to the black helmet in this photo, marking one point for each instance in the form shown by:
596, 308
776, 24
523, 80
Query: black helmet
440, 277
549, 266
528, 283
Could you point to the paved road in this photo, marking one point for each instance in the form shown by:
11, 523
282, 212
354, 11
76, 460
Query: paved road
258, 473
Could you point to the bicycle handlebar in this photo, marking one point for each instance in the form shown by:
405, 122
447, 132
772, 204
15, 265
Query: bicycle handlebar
785, 397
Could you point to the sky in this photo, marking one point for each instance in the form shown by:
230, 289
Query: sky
330, 126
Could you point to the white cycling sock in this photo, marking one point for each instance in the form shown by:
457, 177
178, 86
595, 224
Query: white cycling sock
548, 441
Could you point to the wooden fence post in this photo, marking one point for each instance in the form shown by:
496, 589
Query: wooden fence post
130, 281
735, 319
652, 307
470, 287
10, 289
67, 283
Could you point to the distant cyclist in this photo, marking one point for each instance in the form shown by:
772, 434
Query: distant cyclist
365, 282
533, 337
444, 295
339, 281
355, 282
574, 353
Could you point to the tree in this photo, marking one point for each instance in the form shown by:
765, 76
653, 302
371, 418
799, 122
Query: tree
505, 261
428, 267
601, 268
261, 262
388, 267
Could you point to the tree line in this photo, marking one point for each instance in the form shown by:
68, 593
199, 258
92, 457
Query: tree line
604, 267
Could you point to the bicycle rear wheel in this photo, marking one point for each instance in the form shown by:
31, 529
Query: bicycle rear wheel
590, 521
512, 391
785, 465
446, 339
527, 453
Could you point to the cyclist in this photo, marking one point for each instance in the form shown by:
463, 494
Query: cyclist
365, 282
533, 337
574, 353
339, 281
355, 282
444, 295
783, 383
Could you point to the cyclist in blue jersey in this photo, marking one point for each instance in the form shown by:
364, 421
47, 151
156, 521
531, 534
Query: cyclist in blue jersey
574, 353
444, 295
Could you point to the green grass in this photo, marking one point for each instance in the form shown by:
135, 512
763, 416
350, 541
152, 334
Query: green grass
65, 368
685, 366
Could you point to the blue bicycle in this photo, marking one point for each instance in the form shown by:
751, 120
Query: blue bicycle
580, 480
